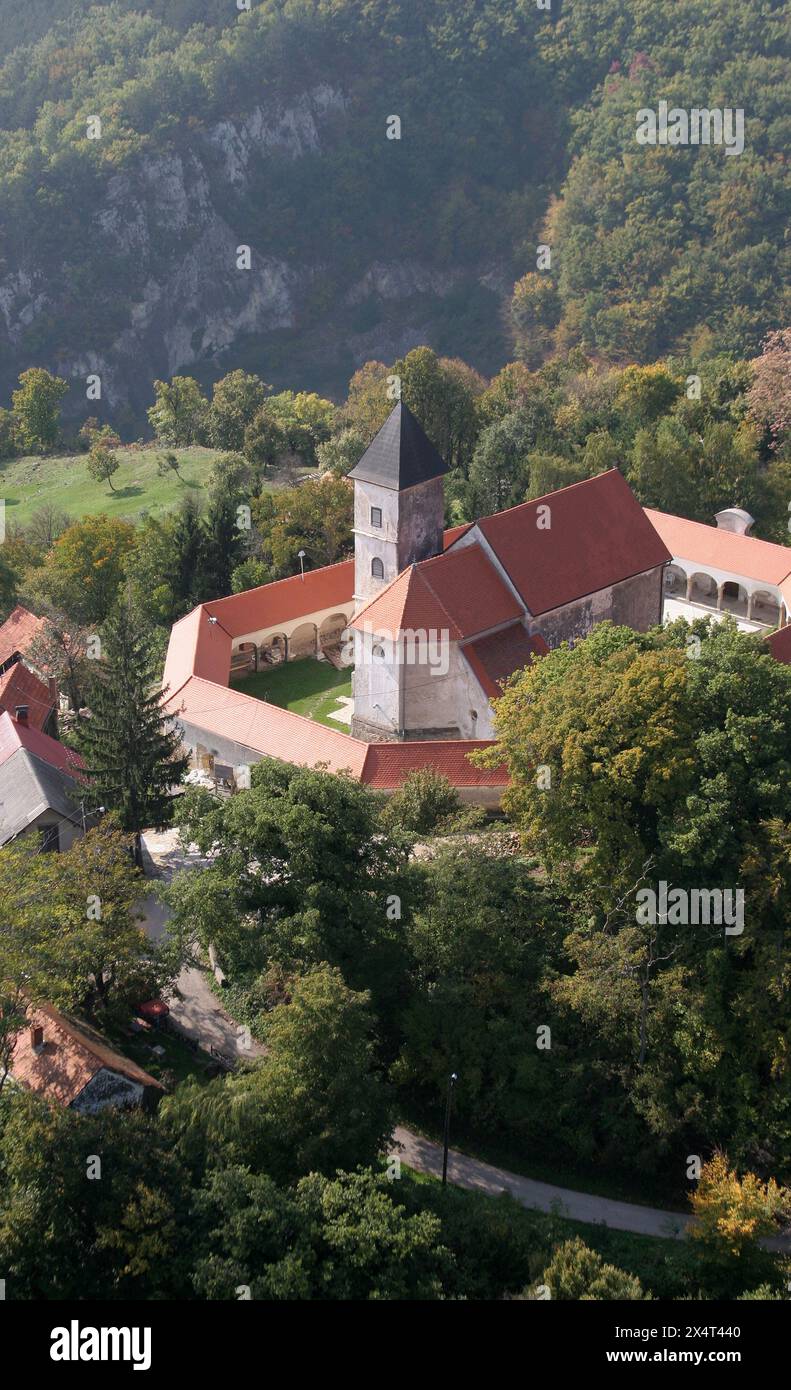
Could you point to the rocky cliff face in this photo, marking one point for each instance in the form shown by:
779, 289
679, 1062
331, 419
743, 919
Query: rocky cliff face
169, 224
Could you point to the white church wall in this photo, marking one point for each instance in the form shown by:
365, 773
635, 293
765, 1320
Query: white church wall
372, 542
411, 530
376, 688
438, 702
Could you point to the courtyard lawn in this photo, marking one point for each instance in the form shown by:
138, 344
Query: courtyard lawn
308, 687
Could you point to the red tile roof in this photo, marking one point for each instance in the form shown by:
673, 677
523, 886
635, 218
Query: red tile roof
779, 644
265, 728
197, 647
407, 602
18, 686
72, 1055
387, 765
284, 599
14, 735
278, 733
495, 658
598, 536
18, 632
453, 532
460, 592
725, 550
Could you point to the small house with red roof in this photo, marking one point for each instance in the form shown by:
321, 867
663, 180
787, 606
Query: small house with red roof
433, 621
24, 696
17, 635
68, 1063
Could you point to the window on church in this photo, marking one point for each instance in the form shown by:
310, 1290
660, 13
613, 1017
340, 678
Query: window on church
377, 568
376, 516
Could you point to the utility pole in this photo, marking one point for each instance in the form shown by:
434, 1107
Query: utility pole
452, 1079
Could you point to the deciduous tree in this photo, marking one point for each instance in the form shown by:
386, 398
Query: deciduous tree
178, 415
36, 408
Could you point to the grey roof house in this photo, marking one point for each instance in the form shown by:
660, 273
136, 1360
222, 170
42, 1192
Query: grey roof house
41, 790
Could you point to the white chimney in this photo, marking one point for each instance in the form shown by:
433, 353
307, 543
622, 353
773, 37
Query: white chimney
735, 519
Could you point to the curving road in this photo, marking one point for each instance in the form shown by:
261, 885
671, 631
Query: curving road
201, 1015
426, 1157
198, 1012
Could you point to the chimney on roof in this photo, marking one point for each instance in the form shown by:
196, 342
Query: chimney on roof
37, 1038
735, 519
20, 714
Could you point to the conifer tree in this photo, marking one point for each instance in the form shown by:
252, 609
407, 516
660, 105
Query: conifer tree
129, 744
223, 547
188, 543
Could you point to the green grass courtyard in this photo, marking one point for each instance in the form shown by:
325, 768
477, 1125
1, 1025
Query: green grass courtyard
308, 687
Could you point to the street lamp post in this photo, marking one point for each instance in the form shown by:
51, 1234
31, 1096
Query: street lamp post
301, 557
452, 1079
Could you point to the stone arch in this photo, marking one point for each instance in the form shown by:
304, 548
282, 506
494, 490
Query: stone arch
244, 658
702, 588
274, 649
675, 582
332, 629
304, 641
764, 608
733, 598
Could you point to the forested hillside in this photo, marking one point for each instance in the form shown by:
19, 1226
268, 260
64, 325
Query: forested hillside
269, 129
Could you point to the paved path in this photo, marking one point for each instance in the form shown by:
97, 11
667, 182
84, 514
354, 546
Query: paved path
199, 1012
426, 1157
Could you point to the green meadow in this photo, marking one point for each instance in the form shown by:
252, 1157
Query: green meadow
63, 481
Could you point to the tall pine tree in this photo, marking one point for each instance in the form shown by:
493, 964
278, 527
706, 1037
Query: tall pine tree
223, 546
130, 745
188, 544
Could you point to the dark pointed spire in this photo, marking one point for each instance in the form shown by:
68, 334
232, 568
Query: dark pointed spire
401, 455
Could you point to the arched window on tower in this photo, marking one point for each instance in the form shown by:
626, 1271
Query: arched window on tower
377, 568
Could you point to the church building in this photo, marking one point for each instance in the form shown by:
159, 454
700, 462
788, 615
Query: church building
432, 619
439, 626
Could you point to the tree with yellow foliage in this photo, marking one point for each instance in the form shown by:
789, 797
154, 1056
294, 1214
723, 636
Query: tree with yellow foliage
732, 1215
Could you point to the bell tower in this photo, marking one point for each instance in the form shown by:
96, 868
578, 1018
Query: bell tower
399, 507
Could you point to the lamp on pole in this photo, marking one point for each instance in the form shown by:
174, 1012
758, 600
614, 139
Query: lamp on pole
452, 1079
301, 556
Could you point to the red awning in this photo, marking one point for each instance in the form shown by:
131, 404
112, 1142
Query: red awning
155, 1008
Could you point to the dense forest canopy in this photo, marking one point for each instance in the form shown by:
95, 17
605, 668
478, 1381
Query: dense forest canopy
517, 127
